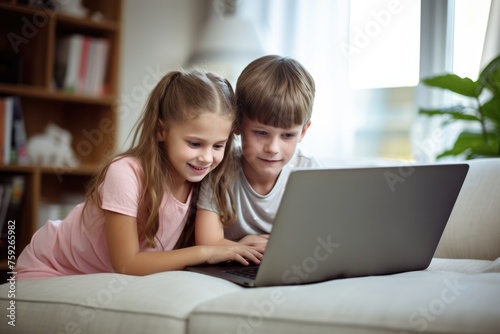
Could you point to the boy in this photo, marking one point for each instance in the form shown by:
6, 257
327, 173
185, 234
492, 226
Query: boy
274, 97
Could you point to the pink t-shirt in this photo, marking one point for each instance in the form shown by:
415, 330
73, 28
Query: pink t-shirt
70, 247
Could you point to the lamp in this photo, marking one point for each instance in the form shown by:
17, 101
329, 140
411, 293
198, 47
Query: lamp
228, 42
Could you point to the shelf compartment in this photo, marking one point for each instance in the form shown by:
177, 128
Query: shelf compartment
23, 35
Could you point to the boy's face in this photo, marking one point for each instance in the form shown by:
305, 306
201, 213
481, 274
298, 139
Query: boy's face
266, 149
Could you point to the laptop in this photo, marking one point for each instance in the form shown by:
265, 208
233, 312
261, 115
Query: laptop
350, 222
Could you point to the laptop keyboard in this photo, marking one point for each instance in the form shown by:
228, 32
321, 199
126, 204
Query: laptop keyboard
250, 272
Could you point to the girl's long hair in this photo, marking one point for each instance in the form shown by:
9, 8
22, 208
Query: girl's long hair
179, 97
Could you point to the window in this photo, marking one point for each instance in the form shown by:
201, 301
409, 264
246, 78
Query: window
384, 43
471, 20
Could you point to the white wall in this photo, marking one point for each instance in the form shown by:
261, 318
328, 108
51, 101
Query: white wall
157, 37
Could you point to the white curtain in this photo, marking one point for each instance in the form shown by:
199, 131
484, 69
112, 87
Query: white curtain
313, 32
429, 136
492, 40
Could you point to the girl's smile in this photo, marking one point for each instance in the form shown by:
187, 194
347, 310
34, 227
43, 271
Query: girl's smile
198, 170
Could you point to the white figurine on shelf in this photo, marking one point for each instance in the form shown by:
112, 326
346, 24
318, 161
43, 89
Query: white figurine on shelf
52, 148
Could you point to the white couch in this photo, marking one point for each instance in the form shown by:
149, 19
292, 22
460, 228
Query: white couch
458, 293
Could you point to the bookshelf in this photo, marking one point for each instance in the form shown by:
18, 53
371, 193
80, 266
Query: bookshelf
32, 35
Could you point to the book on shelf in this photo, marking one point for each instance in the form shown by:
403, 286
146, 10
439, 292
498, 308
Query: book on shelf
96, 67
6, 190
18, 152
6, 112
67, 62
84, 62
12, 132
81, 64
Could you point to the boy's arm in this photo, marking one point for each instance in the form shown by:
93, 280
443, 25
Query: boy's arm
209, 229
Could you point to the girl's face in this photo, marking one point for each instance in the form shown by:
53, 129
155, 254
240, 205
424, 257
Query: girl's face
196, 147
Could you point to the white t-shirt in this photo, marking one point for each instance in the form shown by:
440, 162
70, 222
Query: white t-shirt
255, 212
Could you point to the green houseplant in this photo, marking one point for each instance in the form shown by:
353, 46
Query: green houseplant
484, 110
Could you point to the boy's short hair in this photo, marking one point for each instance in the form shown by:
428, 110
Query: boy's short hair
276, 91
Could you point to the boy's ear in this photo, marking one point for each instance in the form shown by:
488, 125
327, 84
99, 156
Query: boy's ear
160, 133
236, 130
304, 130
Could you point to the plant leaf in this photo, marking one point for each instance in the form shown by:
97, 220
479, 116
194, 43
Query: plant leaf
491, 110
473, 144
484, 151
465, 141
490, 76
453, 112
456, 84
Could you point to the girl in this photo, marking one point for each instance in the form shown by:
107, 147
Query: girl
138, 209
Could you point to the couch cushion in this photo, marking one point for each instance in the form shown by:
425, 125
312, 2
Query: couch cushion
463, 266
473, 230
109, 303
430, 301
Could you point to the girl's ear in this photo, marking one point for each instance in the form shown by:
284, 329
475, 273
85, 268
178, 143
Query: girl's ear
160, 131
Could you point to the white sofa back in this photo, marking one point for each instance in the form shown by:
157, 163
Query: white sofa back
473, 230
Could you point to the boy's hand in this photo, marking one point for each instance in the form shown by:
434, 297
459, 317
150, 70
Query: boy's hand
255, 240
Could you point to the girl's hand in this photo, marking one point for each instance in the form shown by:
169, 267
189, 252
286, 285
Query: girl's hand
255, 240
243, 254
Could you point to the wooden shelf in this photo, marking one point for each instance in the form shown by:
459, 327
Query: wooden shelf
78, 170
76, 22
91, 119
55, 95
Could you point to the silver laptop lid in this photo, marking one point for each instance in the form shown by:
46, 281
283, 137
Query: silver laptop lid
335, 223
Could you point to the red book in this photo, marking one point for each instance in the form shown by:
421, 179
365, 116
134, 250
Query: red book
83, 65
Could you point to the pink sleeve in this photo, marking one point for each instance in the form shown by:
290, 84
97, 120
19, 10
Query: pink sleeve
120, 188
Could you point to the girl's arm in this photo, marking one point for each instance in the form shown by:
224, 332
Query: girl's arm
126, 257
209, 229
